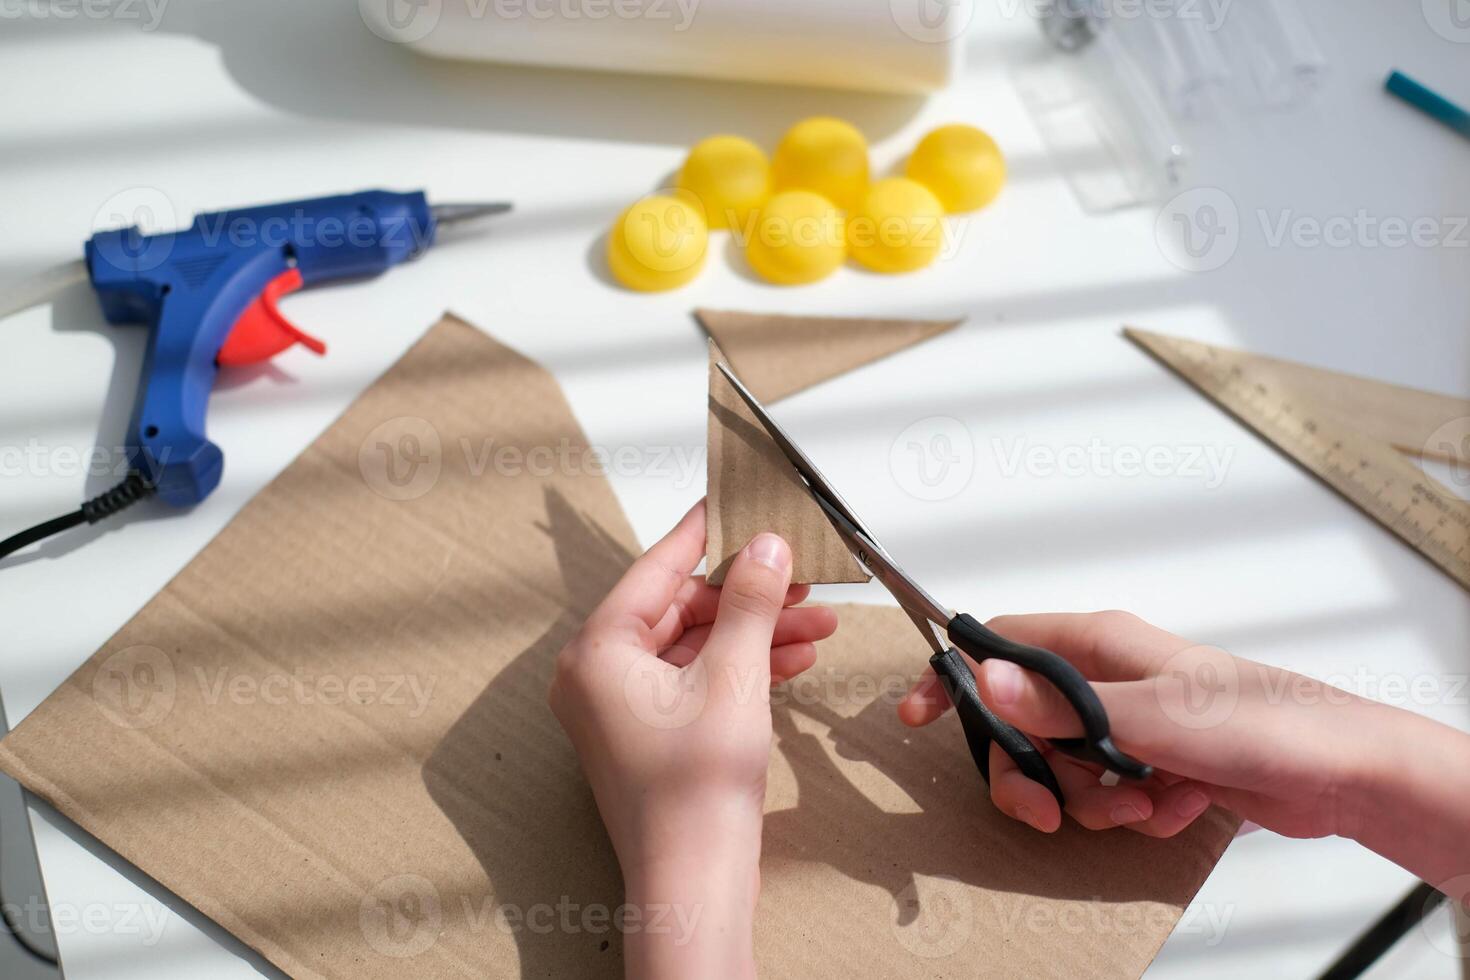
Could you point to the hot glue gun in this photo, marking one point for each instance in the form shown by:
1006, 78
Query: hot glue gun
208, 295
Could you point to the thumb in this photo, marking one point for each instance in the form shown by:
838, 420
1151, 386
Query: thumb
750, 601
1142, 714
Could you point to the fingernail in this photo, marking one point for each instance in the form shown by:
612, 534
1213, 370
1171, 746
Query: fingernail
1023, 813
1126, 813
1005, 681
1191, 804
770, 549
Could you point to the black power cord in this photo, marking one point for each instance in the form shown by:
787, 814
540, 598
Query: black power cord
131, 490
7, 921
1412, 909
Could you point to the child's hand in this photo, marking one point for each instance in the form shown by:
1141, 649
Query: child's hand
665, 694
1283, 750
1293, 754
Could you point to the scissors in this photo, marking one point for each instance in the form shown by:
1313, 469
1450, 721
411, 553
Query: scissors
944, 631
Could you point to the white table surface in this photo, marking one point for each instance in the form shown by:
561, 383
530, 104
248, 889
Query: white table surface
234, 103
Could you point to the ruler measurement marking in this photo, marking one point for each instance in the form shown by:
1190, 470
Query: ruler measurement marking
1409, 507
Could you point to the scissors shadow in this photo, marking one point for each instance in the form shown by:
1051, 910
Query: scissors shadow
886, 805
508, 780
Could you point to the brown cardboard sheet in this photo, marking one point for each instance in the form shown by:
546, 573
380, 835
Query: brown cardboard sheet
777, 355
329, 734
752, 488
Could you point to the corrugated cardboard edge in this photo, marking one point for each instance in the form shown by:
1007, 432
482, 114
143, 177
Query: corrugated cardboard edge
204, 902
1141, 871
752, 487
904, 818
34, 782
778, 355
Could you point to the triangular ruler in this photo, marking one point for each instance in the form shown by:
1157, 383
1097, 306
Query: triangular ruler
752, 487
1351, 432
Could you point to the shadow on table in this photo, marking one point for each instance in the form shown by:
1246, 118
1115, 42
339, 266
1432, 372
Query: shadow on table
508, 780
174, 905
321, 60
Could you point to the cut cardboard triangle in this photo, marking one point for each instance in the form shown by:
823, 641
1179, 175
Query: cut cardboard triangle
752, 486
779, 355
474, 577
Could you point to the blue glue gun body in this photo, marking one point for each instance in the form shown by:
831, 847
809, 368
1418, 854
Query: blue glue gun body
207, 295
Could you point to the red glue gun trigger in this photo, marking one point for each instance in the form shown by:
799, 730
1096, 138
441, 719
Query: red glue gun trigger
262, 332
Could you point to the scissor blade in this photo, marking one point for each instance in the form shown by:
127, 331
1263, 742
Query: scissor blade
816, 482
910, 594
859, 540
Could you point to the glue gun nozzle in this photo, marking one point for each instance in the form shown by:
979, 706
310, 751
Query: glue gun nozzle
451, 214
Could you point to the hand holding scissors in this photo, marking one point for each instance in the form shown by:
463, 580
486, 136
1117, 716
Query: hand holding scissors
944, 631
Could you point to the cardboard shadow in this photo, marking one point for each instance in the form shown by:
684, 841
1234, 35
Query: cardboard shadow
535, 830
534, 827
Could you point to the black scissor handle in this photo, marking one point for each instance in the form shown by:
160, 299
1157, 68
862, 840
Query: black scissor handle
1096, 745
982, 726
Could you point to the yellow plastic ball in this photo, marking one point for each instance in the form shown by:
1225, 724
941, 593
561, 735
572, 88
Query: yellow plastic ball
825, 155
797, 238
730, 176
658, 243
898, 226
961, 165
